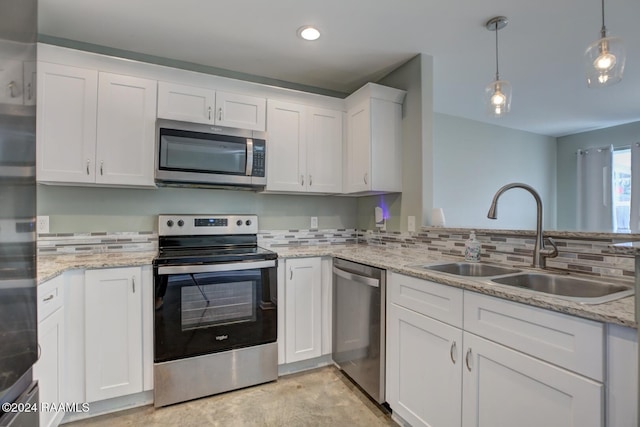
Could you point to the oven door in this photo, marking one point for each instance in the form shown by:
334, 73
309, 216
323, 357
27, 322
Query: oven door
203, 309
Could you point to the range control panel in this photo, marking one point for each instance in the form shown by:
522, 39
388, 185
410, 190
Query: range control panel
193, 225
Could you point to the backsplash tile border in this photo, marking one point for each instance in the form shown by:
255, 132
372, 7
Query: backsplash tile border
96, 242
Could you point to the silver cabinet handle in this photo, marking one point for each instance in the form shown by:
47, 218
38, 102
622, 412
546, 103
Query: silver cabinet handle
88, 162
310, 180
102, 168
49, 298
302, 180
133, 284
467, 359
290, 273
365, 178
11, 85
210, 111
453, 352
220, 114
29, 91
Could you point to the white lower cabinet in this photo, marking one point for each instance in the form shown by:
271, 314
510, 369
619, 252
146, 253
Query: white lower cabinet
622, 376
503, 387
304, 309
425, 376
113, 336
49, 369
439, 374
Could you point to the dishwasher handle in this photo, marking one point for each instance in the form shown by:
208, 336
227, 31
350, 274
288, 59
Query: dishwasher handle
375, 283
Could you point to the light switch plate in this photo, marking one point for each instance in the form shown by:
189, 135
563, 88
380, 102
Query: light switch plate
314, 222
42, 224
411, 223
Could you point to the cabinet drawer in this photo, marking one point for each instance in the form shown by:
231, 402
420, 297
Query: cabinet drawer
557, 338
440, 302
50, 297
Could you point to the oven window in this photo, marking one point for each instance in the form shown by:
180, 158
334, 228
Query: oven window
202, 155
202, 313
217, 304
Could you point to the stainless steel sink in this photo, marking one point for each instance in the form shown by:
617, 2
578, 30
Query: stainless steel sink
470, 269
567, 287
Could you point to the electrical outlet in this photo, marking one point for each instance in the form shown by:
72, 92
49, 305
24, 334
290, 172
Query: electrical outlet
42, 224
314, 222
411, 223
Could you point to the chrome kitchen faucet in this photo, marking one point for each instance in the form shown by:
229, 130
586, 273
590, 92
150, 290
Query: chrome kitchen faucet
540, 253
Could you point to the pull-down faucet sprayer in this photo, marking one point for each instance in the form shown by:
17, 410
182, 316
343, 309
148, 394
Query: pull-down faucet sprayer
540, 253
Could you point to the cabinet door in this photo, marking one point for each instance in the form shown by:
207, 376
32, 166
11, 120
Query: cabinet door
126, 130
66, 123
286, 152
424, 369
324, 151
49, 368
503, 387
358, 164
240, 111
185, 103
113, 334
303, 304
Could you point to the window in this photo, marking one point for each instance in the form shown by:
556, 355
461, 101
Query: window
621, 189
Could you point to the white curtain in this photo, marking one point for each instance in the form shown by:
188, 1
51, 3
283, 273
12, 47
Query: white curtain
595, 195
634, 221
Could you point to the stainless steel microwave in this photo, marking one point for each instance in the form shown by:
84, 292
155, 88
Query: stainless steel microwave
190, 154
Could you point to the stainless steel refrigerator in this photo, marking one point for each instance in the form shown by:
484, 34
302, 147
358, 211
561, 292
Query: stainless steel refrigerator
18, 303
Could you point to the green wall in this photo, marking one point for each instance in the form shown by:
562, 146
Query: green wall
472, 160
86, 209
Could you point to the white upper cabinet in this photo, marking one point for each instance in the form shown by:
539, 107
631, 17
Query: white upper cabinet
240, 111
201, 105
94, 128
66, 123
185, 103
126, 130
373, 162
304, 148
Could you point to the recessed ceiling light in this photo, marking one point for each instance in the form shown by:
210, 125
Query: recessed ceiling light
309, 33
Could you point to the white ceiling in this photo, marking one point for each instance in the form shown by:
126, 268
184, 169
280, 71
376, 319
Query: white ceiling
362, 40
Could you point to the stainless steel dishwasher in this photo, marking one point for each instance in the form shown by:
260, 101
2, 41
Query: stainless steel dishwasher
359, 295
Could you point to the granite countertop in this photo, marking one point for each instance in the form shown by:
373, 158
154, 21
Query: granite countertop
626, 248
50, 266
619, 312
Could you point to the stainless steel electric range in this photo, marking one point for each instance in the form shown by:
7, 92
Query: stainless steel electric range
215, 318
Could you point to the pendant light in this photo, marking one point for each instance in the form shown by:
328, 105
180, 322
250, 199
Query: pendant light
604, 59
498, 92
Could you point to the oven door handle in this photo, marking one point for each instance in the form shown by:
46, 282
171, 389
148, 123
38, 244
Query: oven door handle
212, 268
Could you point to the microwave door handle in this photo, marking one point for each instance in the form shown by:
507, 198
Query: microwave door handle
249, 169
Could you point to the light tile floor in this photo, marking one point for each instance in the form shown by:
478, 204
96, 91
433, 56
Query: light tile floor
321, 397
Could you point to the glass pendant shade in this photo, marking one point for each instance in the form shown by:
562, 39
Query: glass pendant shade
497, 98
604, 62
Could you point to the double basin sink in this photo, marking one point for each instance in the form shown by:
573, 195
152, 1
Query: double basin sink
585, 291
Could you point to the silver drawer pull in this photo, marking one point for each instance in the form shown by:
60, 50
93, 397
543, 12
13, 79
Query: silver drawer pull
467, 359
49, 298
453, 352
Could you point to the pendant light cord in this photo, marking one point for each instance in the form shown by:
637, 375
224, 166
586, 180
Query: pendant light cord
497, 73
603, 31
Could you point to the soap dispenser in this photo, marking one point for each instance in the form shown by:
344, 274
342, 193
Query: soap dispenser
472, 248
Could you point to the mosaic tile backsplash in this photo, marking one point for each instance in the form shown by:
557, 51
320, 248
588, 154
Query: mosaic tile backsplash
587, 255
99, 242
